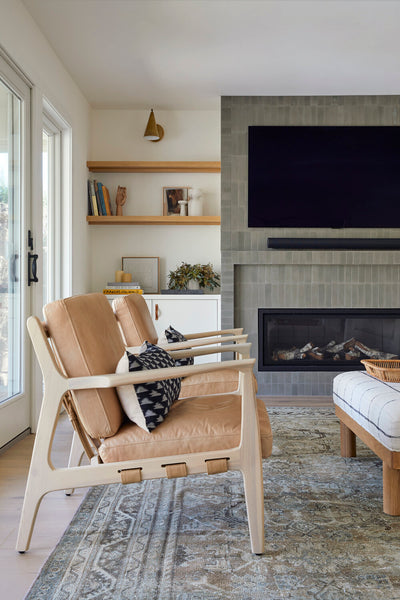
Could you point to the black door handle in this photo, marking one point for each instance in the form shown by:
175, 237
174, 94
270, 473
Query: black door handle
32, 268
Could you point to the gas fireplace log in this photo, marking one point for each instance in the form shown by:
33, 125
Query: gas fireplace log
350, 350
352, 355
292, 354
373, 353
316, 354
347, 345
307, 347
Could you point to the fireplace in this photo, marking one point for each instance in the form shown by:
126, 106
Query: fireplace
325, 339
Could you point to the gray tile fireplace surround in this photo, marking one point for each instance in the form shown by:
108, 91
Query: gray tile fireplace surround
256, 277
305, 279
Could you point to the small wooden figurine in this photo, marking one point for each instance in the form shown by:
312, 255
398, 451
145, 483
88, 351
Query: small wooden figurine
120, 199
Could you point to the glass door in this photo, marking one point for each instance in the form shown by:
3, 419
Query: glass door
14, 301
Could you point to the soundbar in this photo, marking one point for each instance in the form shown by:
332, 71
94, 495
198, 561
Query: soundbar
334, 243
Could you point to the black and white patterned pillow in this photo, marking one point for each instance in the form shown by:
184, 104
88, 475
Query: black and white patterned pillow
172, 336
147, 404
156, 397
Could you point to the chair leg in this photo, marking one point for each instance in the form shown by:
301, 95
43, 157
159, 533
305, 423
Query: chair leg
75, 456
32, 500
254, 494
391, 490
347, 442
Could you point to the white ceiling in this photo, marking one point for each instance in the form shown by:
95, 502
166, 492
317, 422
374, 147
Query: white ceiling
185, 54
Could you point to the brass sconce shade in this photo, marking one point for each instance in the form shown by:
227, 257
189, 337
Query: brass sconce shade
154, 132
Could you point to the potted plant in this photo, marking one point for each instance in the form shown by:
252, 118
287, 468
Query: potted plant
203, 276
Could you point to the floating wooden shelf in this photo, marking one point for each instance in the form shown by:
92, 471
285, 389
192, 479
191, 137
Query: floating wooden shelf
154, 220
110, 166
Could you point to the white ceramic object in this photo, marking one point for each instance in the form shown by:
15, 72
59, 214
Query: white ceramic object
195, 202
183, 204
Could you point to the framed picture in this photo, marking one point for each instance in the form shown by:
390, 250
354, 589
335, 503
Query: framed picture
145, 270
171, 198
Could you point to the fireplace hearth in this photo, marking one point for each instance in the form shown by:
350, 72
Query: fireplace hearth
325, 339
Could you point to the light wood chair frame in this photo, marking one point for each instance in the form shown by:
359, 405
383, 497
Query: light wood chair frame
241, 351
349, 430
44, 477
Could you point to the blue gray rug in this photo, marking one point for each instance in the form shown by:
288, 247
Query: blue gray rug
187, 539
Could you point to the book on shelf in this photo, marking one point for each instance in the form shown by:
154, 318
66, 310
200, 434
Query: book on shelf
96, 191
107, 201
121, 291
89, 197
95, 208
99, 188
123, 284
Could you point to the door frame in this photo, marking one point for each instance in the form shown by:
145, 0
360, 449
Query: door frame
16, 411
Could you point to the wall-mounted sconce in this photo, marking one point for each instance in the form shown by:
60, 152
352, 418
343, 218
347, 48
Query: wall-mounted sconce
154, 132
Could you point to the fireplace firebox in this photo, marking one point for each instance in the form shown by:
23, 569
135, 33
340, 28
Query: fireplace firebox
325, 339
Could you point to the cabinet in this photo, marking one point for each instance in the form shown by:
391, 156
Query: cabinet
186, 313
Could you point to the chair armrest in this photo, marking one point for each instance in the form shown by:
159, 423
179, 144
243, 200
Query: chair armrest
235, 331
113, 380
193, 346
204, 342
243, 350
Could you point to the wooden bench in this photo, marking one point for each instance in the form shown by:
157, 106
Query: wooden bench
370, 409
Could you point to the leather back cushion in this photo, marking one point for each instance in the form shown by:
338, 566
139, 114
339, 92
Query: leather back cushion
87, 339
135, 320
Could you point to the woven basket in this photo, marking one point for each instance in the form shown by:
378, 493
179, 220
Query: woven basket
386, 370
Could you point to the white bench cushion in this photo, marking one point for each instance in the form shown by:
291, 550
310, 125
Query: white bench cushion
372, 403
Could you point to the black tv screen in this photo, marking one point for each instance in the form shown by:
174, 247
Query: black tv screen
334, 176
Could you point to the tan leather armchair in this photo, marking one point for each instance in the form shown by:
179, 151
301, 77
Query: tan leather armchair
78, 348
137, 326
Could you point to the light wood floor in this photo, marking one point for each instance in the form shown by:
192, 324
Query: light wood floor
18, 571
297, 400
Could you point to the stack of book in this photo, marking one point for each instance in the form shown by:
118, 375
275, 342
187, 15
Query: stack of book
115, 288
98, 199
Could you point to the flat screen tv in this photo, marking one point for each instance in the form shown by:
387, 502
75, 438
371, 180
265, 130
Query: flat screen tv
334, 176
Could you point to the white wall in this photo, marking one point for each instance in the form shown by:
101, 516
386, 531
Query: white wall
25, 44
189, 135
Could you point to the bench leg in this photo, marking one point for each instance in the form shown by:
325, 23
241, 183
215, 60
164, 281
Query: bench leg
391, 490
347, 441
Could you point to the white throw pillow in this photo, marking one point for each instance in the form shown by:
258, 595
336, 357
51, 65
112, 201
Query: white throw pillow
127, 395
147, 404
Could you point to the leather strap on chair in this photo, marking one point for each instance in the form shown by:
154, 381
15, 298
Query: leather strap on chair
131, 475
217, 465
176, 470
69, 407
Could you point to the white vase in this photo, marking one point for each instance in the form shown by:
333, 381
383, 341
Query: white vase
183, 204
193, 285
195, 207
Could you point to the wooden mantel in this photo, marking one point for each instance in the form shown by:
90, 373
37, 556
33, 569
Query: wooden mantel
110, 166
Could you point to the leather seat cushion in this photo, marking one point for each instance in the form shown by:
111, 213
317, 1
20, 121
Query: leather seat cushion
196, 425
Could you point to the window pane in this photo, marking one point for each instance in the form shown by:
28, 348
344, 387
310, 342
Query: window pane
10, 244
45, 185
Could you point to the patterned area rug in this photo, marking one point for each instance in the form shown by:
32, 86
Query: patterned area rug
187, 539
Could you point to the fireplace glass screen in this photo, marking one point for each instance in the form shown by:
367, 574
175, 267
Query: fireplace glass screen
331, 340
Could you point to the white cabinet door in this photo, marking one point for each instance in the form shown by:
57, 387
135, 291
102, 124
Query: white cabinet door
187, 315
